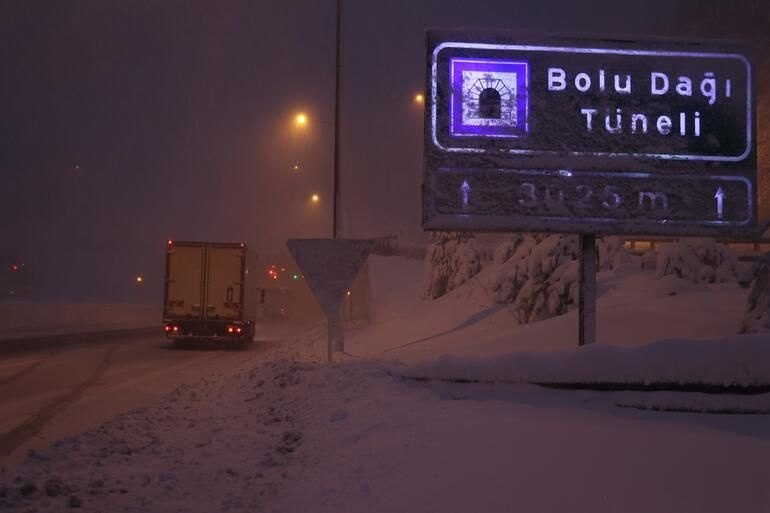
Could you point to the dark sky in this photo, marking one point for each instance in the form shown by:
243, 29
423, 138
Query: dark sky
126, 123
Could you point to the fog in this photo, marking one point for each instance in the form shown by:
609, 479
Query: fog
125, 124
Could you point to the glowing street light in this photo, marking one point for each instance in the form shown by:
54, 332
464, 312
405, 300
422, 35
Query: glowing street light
139, 280
419, 99
296, 167
315, 198
300, 119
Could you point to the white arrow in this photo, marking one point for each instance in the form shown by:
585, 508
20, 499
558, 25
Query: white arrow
465, 189
720, 196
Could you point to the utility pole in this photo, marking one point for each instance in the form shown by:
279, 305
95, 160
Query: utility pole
337, 207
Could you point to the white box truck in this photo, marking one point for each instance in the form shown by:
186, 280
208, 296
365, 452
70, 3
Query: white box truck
206, 294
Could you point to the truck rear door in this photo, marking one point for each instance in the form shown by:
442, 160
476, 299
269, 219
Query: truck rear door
224, 282
184, 279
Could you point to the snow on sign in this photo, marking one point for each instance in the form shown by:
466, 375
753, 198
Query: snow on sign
578, 135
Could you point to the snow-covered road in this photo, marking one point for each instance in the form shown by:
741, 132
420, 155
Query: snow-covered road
48, 395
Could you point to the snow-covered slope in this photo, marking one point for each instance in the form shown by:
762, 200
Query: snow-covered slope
634, 308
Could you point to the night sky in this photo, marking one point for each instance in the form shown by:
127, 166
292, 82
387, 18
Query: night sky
128, 123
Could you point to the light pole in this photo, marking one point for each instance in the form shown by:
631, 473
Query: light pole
338, 65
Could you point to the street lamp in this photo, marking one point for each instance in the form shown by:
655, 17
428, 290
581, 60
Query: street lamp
300, 119
315, 198
419, 99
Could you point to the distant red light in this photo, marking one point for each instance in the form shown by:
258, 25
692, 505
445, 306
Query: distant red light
170, 243
176, 328
230, 330
237, 330
168, 328
14, 267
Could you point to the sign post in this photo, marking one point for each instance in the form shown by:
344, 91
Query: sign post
329, 267
590, 136
587, 290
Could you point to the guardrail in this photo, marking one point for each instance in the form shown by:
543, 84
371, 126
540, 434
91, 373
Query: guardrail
390, 246
37, 343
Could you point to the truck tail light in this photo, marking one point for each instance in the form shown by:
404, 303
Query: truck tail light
234, 329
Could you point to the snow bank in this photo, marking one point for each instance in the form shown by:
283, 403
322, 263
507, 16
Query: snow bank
735, 361
41, 319
633, 309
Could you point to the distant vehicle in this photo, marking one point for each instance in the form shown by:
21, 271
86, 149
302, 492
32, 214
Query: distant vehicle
206, 296
14, 280
278, 303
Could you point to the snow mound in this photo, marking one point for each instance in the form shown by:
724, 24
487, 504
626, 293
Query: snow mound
736, 361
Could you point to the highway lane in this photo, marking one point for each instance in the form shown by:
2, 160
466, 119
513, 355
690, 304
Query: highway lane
47, 395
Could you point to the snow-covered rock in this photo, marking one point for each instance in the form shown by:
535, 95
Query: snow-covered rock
452, 259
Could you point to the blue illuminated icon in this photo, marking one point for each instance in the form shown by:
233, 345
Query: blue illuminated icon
489, 98
465, 189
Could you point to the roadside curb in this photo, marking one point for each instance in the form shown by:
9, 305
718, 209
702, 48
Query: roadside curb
29, 344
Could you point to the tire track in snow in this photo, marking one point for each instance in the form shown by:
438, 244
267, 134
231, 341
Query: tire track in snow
26, 370
16, 437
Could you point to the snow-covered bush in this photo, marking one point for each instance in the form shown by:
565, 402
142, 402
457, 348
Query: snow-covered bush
452, 259
611, 253
757, 318
537, 274
697, 260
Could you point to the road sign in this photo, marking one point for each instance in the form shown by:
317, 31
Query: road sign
330, 266
579, 135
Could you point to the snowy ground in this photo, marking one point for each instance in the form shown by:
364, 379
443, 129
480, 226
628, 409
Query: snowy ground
295, 435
